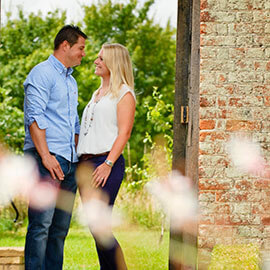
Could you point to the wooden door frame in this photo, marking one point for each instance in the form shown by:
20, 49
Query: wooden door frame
187, 82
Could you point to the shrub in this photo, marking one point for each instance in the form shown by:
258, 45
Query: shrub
138, 206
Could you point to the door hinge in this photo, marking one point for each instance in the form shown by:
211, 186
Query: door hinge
184, 114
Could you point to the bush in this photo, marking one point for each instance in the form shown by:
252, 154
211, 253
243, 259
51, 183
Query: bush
235, 257
8, 215
138, 206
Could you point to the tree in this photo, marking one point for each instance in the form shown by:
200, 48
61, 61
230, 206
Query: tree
27, 41
24, 43
152, 50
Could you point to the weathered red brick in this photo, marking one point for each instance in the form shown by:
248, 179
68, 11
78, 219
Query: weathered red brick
256, 65
236, 220
206, 219
221, 102
222, 78
267, 101
212, 136
231, 89
262, 184
243, 185
263, 89
250, 6
207, 102
206, 17
239, 125
266, 220
235, 102
213, 113
214, 184
206, 196
206, 242
204, 4
268, 66
261, 208
232, 196
207, 124
223, 209
222, 219
203, 28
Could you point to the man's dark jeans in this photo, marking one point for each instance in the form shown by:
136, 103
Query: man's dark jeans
47, 229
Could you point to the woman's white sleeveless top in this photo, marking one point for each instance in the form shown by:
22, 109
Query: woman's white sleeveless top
99, 127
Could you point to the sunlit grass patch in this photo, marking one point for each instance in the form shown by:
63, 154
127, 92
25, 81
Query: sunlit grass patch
235, 257
141, 248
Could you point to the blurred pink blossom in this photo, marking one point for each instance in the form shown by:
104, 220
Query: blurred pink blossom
19, 176
42, 195
97, 215
176, 197
246, 155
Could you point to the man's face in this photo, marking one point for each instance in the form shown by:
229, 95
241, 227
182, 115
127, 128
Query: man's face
75, 53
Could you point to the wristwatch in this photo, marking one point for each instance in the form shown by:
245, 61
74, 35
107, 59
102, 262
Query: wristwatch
108, 162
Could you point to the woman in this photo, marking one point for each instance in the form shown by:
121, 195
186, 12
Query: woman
105, 129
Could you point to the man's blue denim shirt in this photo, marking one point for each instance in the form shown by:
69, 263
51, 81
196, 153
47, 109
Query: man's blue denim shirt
51, 99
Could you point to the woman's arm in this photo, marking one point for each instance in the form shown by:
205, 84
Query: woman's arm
125, 120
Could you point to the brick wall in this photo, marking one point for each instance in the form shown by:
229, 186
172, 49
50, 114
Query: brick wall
234, 96
11, 258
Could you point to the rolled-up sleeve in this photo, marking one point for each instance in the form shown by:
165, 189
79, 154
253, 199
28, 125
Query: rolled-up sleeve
36, 99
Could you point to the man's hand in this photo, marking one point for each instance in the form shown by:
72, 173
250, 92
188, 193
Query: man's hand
52, 165
49, 161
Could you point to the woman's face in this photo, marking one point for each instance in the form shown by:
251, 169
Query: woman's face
101, 69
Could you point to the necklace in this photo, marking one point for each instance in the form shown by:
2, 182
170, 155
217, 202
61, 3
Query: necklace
91, 118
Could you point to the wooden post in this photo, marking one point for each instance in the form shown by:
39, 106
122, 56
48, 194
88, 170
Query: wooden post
192, 148
185, 141
181, 82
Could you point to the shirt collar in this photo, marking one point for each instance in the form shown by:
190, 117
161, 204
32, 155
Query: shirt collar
59, 66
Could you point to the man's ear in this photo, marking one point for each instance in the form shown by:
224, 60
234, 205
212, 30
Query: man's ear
65, 45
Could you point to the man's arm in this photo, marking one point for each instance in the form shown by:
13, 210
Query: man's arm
76, 140
49, 161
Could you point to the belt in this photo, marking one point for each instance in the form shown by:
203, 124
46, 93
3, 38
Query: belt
85, 157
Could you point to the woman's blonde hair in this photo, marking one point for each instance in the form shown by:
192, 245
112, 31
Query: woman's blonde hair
116, 58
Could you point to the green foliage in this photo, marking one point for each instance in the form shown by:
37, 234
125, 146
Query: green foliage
24, 43
157, 160
160, 116
152, 50
6, 225
27, 41
143, 212
235, 257
11, 123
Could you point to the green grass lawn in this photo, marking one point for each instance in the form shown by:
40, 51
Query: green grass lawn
141, 248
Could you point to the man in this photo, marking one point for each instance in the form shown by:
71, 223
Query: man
51, 134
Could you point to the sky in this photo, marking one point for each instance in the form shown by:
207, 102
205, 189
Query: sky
162, 10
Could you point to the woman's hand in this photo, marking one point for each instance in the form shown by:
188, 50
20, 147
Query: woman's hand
101, 174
